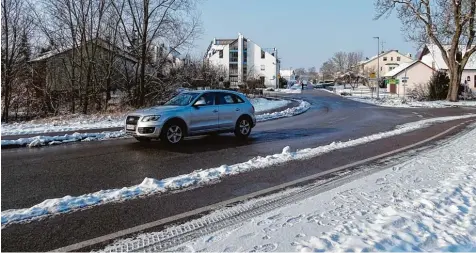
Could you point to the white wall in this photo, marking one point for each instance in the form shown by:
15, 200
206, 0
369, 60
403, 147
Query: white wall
221, 62
255, 62
391, 59
418, 74
471, 73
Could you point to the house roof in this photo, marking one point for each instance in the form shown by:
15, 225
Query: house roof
381, 55
437, 57
402, 67
286, 72
100, 42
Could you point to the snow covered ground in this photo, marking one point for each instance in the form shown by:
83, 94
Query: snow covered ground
196, 178
82, 122
364, 95
295, 89
406, 103
427, 203
39, 141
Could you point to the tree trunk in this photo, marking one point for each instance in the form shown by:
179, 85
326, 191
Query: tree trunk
455, 81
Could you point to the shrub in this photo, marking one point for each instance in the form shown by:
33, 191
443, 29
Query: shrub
438, 86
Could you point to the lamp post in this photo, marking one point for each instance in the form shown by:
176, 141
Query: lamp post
378, 64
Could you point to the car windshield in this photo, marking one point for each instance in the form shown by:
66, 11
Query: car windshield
182, 99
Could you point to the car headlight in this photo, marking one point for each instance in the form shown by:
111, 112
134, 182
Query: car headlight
150, 118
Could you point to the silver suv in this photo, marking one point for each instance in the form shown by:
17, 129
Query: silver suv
194, 113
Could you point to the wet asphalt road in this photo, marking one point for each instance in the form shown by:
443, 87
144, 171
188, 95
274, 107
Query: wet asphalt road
30, 176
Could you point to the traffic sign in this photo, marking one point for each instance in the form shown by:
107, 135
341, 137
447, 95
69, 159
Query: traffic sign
372, 75
405, 78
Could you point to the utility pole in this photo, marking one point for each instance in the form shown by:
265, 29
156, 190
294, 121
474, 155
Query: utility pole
378, 65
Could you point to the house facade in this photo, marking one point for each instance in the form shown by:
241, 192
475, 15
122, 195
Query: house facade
415, 73
242, 59
288, 74
383, 63
431, 55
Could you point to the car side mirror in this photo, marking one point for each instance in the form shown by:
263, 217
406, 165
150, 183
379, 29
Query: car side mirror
199, 103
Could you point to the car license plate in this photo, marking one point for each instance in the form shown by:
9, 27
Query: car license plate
130, 127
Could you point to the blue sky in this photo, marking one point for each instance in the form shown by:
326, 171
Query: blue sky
305, 32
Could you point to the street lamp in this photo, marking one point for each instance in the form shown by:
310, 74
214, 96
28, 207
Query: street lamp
378, 64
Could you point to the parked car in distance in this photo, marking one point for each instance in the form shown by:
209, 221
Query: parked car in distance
193, 113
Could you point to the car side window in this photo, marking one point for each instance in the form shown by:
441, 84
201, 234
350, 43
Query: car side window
238, 99
225, 99
208, 98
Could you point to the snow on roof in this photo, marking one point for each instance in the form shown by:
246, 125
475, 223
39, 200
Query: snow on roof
380, 55
286, 72
437, 56
399, 69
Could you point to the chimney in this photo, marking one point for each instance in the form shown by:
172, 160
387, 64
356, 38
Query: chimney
214, 41
396, 50
366, 58
382, 52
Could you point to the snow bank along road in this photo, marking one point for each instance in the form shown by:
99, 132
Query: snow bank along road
31, 176
91, 127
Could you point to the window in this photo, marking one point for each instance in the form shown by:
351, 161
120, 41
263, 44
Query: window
208, 98
391, 58
384, 58
262, 54
474, 81
381, 68
262, 67
220, 53
398, 58
225, 98
261, 78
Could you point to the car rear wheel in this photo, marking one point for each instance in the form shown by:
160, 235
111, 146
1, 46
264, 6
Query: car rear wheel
172, 133
243, 128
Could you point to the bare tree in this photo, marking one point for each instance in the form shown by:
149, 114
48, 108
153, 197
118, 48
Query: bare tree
353, 59
16, 27
328, 70
146, 21
340, 61
440, 22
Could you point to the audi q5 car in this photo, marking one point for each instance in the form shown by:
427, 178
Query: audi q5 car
193, 113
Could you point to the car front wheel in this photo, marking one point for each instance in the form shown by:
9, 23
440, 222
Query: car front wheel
172, 133
243, 128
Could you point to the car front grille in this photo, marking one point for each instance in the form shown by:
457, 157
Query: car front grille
132, 120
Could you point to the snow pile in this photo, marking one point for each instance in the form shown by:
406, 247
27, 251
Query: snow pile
64, 124
407, 103
264, 104
425, 204
196, 178
84, 122
38, 141
303, 107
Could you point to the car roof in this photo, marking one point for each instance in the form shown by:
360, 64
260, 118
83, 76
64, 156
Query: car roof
204, 91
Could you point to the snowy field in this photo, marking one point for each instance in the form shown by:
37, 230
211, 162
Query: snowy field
364, 95
83, 122
261, 105
196, 178
427, 203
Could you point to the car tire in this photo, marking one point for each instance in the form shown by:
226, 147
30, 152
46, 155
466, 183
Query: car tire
173, 133
243, 127
143, 139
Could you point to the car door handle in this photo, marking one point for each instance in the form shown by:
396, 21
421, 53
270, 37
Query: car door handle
215, 110
237, 109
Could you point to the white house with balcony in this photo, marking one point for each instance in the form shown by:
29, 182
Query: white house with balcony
241, 58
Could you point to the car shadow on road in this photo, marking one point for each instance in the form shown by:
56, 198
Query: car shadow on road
199, 144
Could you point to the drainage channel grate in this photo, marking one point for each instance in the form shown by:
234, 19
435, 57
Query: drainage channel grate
174, 236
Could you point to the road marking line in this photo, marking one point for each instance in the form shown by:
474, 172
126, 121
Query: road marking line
136, 229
